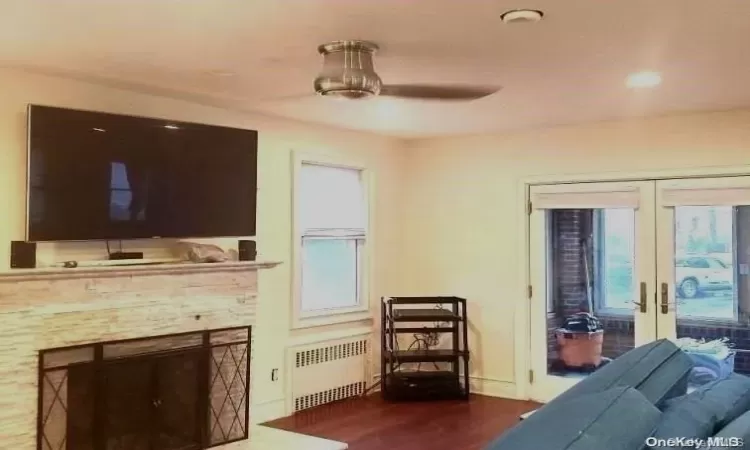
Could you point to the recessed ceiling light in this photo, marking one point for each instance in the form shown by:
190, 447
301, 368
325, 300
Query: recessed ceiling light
521, 16
171, 127
645, 79
221, 73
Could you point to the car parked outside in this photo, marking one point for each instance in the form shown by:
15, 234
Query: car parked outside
697, 275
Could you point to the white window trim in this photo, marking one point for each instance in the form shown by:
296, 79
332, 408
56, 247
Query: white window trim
339, 315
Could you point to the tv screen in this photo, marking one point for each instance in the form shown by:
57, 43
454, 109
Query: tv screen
96, 176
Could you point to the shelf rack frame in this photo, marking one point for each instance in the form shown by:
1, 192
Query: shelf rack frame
447, 316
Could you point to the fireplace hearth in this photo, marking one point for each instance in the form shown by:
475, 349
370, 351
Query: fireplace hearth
187, 391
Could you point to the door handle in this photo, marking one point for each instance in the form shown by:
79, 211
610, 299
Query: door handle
643, 305
664, 298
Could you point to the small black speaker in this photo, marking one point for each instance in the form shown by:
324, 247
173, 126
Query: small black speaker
22, 255
246, 250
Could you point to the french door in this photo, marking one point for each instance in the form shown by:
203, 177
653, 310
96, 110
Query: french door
648, 259
592, 248
703, 262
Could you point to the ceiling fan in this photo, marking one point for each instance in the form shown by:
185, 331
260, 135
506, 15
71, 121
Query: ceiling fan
349, 72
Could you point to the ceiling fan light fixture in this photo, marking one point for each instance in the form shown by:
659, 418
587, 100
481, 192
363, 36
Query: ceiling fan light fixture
348, 70
349, 73
521, 16
349, 94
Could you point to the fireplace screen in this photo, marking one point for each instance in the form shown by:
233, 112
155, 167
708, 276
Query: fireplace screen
179, 392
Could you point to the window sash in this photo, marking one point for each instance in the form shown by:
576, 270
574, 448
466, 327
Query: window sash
333, 207
334, 233
323, 204
358, 270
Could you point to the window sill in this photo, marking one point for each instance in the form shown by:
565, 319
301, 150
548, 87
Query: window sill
600, 314
614, 316
616, 313
710, 322
705, 322
332, 318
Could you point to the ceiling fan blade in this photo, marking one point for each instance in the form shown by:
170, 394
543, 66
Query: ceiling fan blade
437, 92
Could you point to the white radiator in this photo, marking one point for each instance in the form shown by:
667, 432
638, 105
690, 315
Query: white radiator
329, 371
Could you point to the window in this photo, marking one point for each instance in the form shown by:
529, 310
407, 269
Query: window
593, 254
331, 220
707, 284
614, 256
591, 261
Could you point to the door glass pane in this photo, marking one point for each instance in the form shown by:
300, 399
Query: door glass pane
712, 290
704, 261
590, 269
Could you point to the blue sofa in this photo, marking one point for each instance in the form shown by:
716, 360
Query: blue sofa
639, 401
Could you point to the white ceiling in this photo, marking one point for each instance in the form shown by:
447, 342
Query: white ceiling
570, 67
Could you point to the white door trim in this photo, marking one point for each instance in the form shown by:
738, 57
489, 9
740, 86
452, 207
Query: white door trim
522, 333
653, 175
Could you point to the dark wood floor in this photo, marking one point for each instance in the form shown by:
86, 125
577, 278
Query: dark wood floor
372, 424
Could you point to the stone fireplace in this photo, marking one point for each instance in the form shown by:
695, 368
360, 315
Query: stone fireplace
113, 358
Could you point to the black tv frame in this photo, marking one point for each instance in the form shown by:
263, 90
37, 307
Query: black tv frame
27, 225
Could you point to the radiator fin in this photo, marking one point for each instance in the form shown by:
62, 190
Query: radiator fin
331, 353
329, 372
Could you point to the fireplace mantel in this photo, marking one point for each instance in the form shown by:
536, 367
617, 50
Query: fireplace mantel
96, 271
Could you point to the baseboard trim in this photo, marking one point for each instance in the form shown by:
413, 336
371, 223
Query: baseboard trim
490, 387
267, 411
493, 387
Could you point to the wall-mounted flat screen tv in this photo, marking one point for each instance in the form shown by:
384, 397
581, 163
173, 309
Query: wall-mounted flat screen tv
97, 176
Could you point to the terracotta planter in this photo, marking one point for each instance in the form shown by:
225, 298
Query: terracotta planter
580, 349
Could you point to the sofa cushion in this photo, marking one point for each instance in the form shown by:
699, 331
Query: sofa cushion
706, 410
588, 422
735, 435
659, 370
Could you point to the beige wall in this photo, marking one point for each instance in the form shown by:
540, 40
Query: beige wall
277, 139
465, 220
448, 216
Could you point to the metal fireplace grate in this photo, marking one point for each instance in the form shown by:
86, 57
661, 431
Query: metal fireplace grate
187, 391
229, 381
55, 384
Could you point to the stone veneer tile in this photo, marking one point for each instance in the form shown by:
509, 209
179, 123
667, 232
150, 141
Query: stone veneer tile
40, 312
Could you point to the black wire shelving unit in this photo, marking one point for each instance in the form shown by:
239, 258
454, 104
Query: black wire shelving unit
440, 373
